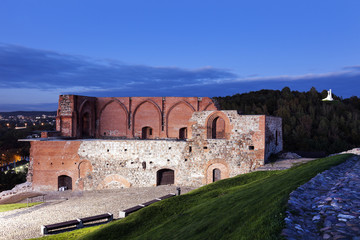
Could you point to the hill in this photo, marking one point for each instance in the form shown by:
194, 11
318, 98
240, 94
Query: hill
309, 124
249, 206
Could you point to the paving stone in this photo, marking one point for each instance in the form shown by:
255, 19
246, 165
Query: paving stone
333, 195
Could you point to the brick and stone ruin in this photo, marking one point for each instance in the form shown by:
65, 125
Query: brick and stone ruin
105, 143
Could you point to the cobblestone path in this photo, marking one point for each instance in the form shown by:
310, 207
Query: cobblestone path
328, 206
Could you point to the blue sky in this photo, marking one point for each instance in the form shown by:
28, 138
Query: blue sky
174, 48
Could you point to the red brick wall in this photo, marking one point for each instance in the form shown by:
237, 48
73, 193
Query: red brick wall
126, 116
113, 120
52, 159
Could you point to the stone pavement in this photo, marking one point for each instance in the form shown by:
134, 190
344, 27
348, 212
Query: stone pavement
64, 206
328, 206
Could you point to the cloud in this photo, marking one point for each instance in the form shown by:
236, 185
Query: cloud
39, 69
32, 76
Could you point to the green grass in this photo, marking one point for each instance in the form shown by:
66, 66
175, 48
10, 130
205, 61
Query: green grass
9, 207
249, 206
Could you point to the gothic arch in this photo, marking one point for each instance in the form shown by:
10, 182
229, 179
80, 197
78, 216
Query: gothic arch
209, 104
117, 101
188, 105
86, 119
211, 125
84, 168
136, 110
86, 100
126, 113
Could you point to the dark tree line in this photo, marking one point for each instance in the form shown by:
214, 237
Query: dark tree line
10, 179
9, 144
309, 124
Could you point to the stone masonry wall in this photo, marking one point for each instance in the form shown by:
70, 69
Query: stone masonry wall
273, 136
101, 164
235, 152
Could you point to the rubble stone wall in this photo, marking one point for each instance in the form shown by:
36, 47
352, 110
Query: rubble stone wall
243, 145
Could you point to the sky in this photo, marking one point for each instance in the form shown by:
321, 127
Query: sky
119, 48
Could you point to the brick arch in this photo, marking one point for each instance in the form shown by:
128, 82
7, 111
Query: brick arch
114, 180
84, 168
216, 164
82, 112
209, 104
182, 121
154, 126
71, 174
117, 101
210, 124
116, 125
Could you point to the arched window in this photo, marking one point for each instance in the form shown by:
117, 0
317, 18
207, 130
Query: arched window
85, 125
147, 133
65, 181
216, 175
183, 133
165, 177
218, 128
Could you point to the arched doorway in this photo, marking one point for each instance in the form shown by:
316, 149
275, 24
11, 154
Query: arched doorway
216, 171
216, 175
218, 128
147, 133
165, 177
65, 181
85, 130
183, 133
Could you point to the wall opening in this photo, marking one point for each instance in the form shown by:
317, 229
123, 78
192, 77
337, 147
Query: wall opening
85, 125
276, 138
183, 133
216, 175
165, 177
218, 128
146, 133
65, 181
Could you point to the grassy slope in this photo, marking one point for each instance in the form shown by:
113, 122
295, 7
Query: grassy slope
9, 207
249, 206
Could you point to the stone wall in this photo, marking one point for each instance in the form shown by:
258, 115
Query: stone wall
273, 133
244, 145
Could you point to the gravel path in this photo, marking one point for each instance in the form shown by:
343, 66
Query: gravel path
64, 206
328, 206
283, 164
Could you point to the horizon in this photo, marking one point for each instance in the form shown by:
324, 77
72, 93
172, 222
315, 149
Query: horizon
165, 48
161, 96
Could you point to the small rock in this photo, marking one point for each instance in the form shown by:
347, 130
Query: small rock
326, 236
345, 216
298, 227
325, 229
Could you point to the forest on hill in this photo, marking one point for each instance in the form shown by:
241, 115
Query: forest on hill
309, 124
